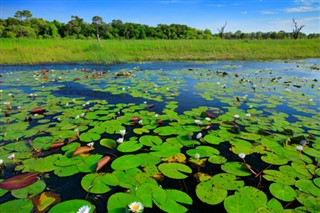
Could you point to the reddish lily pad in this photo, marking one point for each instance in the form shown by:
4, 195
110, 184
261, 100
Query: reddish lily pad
19, 181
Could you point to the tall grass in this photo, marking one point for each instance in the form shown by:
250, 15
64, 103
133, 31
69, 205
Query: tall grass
27, 51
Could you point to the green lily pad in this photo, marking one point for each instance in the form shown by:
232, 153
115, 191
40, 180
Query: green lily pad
173, 200
17, 206
282, 192
120, 201
236, 168
210, 194
72, 206
129, 146
175, 170
126, 162
89, 137
149, 140
98, 183
226, 181
109, 143
31, 190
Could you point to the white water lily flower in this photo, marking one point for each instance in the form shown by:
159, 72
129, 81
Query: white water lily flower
77, 117
145, 102
6, 103
140, 122
84, 209
299, 148
1, 90
248, 114
199, 135
82, 114
11, 157
120, 140
197, 156
90, 144
135, 207
198, 122
1, 161
236, 116
156, 115
122, 132
242, 155
311, 99
208, 119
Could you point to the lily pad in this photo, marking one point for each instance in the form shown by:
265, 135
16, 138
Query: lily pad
174, 170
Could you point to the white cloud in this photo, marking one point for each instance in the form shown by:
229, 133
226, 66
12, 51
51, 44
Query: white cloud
267, 12
244, 12
301, 9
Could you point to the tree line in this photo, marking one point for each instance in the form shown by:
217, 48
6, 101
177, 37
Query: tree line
24, 25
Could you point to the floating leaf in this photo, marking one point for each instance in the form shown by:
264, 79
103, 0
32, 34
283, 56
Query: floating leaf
103, 162
82, 150
17, 206
173, 200
45, 200
236, 168
126, 162
31, 190
19, 181
71, 206
174, 170
210, 194
282, 192
109, 143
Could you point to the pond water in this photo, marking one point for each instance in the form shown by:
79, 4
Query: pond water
219, 136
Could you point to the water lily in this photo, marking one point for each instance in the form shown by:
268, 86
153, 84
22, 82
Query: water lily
299, 148
198, 122
84, 209
199, 135
156, 115
208, 119
140, 122
135, 207
91, 144
236, 116
12, 156
242, 155
248, 114
1, 161
197, 156
122, 132
77, 117
120, 140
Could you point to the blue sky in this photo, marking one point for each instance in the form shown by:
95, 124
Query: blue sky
244, 15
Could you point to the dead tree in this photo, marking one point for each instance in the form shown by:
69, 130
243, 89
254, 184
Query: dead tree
296, 29
221, 30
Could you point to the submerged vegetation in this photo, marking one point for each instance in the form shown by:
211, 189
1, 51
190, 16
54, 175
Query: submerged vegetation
28, 51
222, 137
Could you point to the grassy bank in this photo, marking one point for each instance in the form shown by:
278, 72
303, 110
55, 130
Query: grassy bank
26, 51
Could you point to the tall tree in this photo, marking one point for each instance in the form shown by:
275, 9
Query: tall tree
97, 22
22, 15
296, 29
221, 30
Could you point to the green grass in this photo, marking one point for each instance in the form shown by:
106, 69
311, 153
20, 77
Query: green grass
28, 51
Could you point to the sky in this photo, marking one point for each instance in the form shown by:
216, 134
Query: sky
243, 15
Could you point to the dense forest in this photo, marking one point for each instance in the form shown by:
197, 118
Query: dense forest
24, 25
